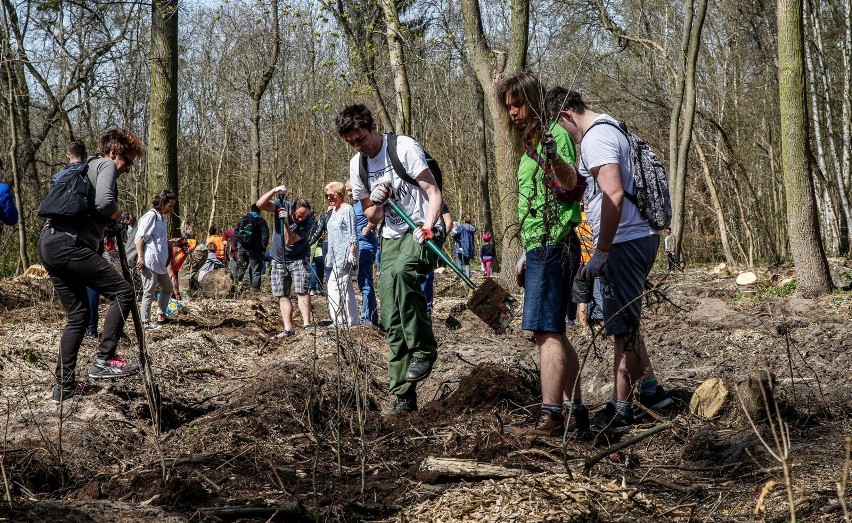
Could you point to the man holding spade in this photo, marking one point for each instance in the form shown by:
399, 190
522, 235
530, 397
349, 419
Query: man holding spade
405, 259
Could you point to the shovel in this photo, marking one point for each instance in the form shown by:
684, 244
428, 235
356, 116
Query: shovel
491, 302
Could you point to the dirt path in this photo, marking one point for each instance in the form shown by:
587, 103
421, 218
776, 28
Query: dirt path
255, 430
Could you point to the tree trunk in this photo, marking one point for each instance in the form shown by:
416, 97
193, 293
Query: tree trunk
482, 161
163, 125
397, 63
716, 202
688, 115
490, 68
677, 103
256, 92
802, 222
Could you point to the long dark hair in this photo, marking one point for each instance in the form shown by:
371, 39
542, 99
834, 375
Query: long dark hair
526, 87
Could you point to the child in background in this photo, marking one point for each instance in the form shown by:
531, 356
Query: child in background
486, 253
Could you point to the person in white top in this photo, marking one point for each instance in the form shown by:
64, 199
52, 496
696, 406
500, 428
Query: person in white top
625, 248
405, 260
152, 250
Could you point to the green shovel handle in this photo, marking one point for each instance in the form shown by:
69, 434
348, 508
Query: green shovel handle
432, 246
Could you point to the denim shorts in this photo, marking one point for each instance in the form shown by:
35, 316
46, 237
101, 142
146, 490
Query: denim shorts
620, 289
547, 286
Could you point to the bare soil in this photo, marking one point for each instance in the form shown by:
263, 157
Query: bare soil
261, 430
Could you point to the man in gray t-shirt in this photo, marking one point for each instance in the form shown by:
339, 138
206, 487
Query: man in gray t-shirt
625, 248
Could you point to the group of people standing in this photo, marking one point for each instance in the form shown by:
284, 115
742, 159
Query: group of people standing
554, 185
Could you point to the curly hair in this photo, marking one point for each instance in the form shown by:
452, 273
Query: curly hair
121, 142
164, 197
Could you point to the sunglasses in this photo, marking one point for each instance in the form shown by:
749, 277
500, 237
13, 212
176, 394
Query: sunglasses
331, 195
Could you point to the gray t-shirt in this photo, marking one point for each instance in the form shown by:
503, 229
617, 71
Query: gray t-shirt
604, 144
90, 231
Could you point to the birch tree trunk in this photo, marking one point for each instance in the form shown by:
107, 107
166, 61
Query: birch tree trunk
163, 125
397, 63
802, 221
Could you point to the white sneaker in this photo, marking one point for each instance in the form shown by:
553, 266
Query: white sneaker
151, 326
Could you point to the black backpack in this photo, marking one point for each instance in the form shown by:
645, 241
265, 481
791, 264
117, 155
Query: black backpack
399, 169
72, 195
248, 232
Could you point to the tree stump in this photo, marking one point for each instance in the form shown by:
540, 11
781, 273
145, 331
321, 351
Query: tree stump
709, 398
217, 284
757, 394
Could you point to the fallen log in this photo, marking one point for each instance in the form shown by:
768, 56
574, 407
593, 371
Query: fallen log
281, 512
442, 470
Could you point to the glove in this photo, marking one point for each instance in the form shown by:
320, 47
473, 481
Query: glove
282, 213
595, 267
350, 259
421, 235
280, 189
380, 194
520, 270
548, 144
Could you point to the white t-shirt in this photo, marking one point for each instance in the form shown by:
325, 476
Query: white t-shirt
152, 230
601, 145
411, 198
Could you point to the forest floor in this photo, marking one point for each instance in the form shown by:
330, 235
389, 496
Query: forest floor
260, 430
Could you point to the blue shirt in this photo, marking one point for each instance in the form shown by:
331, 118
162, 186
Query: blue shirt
8, 211
364, 242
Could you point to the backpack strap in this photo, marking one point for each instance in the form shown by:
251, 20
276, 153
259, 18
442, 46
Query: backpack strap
623, 129
393, 155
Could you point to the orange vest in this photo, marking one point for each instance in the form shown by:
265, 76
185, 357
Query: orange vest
220, 246
584, 233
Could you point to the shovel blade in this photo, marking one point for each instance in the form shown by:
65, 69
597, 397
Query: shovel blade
493, 304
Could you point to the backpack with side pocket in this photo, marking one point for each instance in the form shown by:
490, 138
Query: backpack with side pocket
393, 155
71, 195
651, 183
247, 232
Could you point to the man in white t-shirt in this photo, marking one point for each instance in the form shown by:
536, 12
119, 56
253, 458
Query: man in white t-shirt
405, 260
625, 248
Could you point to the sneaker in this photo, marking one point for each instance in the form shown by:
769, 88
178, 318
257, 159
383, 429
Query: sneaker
541, 424
419, 369
91, 333
283, 334
312, 292
608, 420
71, 390
402, 405
659, 401
151, 325
114, 367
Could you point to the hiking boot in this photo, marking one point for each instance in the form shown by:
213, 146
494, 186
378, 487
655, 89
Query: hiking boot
579, 425
541, 424
114, 367
608, 420
419, 369
69, 390
402, 405
658, 401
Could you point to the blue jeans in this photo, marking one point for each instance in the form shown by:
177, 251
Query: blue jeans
318, 268
428, 288
369, 310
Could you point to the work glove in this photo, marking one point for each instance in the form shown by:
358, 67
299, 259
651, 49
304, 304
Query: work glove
380, 194
280, 189
350, 259
520, 270
548, 144
421, 235
282, 213
595, 266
